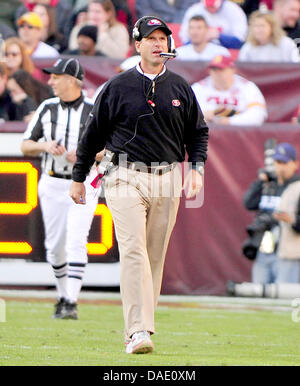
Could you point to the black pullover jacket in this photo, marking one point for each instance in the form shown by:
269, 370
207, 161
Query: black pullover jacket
124, 121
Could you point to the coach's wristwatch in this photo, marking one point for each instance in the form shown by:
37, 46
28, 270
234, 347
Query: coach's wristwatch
199, 167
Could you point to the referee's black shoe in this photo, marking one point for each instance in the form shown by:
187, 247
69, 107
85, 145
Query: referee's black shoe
58, 308
69, 311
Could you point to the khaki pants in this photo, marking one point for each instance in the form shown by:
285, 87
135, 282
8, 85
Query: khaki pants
144, 208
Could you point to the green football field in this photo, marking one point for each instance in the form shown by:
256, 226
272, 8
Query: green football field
185, 336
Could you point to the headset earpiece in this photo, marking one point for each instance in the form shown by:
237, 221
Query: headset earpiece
135, 33
171, 44
136, 28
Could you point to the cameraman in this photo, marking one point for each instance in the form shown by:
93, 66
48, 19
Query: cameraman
287, 214
264, 195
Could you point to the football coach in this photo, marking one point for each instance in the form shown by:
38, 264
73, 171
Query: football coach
146, 119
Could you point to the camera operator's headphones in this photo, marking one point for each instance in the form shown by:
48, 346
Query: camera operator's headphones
136, 34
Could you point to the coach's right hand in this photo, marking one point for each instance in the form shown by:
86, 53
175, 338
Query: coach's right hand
77, 192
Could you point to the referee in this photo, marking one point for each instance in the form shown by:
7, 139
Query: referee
147, 117
54, 132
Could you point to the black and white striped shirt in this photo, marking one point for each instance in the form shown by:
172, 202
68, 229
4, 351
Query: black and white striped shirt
64, 122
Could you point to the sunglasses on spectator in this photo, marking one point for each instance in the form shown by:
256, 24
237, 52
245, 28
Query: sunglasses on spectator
26, 26
12, 54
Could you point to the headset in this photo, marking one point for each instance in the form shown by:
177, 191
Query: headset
136, 35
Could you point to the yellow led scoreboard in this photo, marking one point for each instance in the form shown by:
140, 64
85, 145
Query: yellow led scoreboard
21, 226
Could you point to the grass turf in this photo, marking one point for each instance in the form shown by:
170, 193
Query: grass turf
185, 336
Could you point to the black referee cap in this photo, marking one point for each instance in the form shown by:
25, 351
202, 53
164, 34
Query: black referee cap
70, 67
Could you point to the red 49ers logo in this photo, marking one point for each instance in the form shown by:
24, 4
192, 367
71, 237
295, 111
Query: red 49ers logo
154, 22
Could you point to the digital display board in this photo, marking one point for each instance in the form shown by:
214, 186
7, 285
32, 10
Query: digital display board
21, 225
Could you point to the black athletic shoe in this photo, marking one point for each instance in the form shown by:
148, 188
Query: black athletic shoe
69, 311
58, 308
230, 288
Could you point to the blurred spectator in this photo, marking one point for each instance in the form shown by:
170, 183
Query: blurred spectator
63, 10
78, 5
86, 40
288, 13
113, 37
7, 109
30, 32
123, 12
250, 6
7, 12
227, 98
226, 20
77, 18
171, 11
199, 48
24, 104
32, 87
267, 42
265, 5
6, 31
16, 58
50, 33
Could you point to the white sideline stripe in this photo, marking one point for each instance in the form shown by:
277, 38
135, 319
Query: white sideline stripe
233, 303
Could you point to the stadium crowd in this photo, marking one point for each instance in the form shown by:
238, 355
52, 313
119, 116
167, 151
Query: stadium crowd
248, 31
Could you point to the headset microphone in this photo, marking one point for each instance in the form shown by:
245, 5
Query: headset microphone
169, 55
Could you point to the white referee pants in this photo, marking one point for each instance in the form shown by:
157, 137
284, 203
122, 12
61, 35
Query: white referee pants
66, 224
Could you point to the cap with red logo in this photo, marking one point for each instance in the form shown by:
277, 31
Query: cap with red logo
149, 24
221, 62
216, 4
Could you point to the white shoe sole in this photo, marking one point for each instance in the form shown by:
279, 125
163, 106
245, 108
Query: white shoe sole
144, 347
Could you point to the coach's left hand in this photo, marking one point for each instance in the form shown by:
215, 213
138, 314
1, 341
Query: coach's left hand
192, 184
